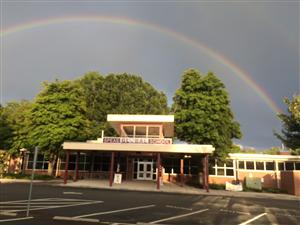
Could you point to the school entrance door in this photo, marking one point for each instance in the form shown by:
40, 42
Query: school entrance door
145, 170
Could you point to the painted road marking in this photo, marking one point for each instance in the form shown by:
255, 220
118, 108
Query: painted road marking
254, 218
72, 193
40, 199
15, 219
179, 216
76, 219
234, 212
178, 207
40, 204
4, 213
58, 206
43, 203
115, 211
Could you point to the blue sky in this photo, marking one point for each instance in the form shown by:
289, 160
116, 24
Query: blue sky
261, 37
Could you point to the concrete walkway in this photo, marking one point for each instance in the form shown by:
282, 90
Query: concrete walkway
150, 186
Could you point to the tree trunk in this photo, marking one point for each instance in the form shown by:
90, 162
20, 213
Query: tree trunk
51, 165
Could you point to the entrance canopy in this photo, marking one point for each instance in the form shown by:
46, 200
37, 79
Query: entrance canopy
120, 147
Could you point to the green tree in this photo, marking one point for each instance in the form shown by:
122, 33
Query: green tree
291, 125
119, 93
16, 114
272, 151
5, 131
203, 114
58, 114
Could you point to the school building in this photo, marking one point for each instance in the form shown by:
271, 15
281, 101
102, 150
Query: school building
144, 150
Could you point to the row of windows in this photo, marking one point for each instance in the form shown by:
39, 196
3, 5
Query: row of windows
141, 131
223, 168
262, 165
101, 162
227, 168
41, 162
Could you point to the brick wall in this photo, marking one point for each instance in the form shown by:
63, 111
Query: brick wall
219, 180
290, 182
269, 177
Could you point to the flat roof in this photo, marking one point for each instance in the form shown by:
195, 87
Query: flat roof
167, 121
140, 118
161, 148
249, 156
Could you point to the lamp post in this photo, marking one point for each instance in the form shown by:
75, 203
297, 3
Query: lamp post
23, 153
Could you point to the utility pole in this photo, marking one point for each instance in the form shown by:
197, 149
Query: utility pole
31, 181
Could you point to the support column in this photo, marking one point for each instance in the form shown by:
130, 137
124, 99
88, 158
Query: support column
111, 174
206, 173
158, 167
181, 171
91, 170
66, 167
75, 176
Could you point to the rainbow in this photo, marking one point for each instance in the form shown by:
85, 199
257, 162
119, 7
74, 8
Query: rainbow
178, 36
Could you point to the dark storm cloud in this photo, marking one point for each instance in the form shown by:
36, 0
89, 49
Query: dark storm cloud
262, 39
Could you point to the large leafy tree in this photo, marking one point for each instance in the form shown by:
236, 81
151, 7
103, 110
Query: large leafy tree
119, 93
5, 130
58, 114
291, 125
203, 114
16, 115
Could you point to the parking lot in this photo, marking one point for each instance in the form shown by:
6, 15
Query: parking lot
61, 205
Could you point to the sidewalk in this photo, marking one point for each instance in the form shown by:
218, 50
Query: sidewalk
150, 186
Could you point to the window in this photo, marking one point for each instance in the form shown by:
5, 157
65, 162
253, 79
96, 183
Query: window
140, 131
212, 171
229, 172
153, 131
289, 166
281, 165
83, 162
128, 131
41, 162
249, 165
220, 172
241, 165
270, 166
223, 169
297, 165
260, 166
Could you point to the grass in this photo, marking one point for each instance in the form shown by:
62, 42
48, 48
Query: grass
265, 190
26, 176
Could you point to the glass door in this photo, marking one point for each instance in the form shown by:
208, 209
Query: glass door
144, 170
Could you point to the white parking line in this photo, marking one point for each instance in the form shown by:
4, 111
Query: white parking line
76, 219
15, 219
4, 213
179, 216
72, 193
178, 207
115, 211
58, 206
234, 212
40, 199
44, 203
254, 218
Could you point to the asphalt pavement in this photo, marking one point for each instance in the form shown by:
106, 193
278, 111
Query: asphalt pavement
66, 205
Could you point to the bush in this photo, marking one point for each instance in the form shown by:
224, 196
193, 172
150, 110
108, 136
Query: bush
217, 186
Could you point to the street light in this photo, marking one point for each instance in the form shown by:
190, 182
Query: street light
23, 153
